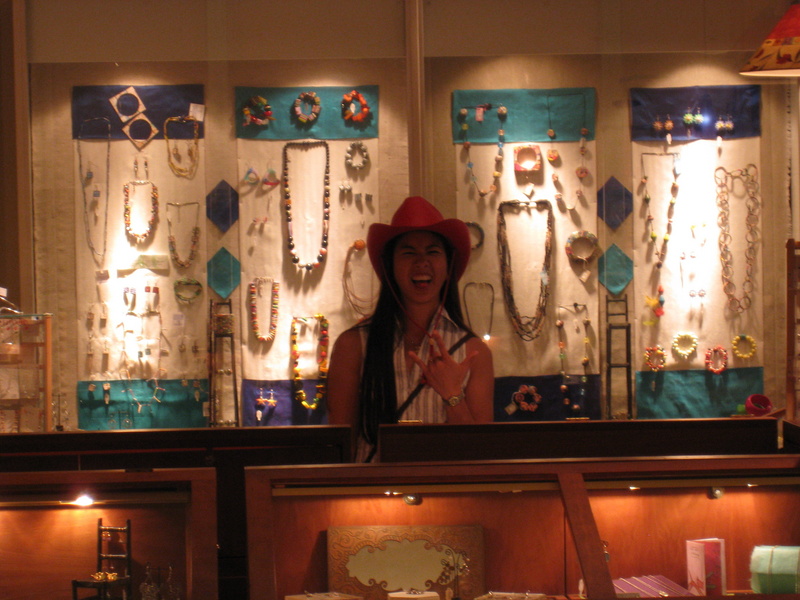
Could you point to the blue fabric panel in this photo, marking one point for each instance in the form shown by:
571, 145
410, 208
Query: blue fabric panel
695, 393
585, 398
160, 102
741, 102
176, 408
279, 414
329, 125
570, 109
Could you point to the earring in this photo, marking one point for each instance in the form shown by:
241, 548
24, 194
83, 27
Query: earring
250, 176
658, 126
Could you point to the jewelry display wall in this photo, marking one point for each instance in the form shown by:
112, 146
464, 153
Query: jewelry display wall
531, 197
306, 199
142, 326
698, 258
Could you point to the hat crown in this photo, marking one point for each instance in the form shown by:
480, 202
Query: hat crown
415, 211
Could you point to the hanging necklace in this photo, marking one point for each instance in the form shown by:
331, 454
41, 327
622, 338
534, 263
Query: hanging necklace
725, 180
193, 151
128, 190
89, 179
660, 253
480, 286
322, 360
480, 110
361, 305
173, 245
326, 205
528, 328
255, 293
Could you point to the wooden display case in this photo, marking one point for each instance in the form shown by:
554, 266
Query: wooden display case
26, 373
547, 523
46, 542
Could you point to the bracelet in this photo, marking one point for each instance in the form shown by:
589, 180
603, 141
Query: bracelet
655, 358
348, 112
723, 359
479, 230
307, 98
355, 147
187, 282
745, 338
684, 344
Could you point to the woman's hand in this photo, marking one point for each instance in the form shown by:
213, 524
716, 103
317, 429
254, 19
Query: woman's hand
442, 372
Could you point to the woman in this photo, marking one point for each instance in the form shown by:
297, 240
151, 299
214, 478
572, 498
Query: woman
414, 358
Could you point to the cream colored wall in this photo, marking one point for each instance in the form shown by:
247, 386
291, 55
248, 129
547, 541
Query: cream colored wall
611, 45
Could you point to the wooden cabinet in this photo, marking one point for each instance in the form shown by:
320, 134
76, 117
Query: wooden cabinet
46, 542
547, 523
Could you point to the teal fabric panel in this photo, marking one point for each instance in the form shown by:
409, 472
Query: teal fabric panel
131, 405
329, 125
695, 393
530, 114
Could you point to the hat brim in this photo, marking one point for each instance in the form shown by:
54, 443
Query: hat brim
454, 231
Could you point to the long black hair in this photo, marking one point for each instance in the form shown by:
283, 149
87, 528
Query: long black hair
377, 398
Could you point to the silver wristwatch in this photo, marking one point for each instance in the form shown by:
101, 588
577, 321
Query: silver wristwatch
454, 400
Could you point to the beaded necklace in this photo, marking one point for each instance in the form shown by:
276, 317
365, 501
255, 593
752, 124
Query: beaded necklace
527, 328
322, 360
660, 253
173, 246
725, 180
193, 151
326, 212
130, 189
254, 290
87, 178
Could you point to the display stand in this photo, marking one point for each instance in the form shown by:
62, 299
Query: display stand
26, 373
221, 329
617, 308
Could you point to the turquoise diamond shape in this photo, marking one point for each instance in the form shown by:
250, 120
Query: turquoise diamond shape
615, 270
224, 273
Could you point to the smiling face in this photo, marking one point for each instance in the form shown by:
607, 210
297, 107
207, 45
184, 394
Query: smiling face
420, 267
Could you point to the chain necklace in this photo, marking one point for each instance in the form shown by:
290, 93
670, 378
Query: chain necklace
193, 151
483, 286
254, 290
173, 245
724, 180
528, 328
87, 177
322, 360
326, 204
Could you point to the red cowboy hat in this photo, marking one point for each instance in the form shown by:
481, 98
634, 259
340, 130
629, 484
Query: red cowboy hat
414, 214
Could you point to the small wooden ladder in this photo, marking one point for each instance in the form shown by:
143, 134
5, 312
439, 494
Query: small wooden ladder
617, 320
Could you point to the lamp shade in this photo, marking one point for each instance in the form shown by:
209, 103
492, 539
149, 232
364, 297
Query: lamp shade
779, 54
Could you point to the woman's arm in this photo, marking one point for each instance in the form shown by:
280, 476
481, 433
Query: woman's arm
478, 403
344, 379
446, 376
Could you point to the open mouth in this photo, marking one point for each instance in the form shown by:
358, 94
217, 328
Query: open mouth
421, 281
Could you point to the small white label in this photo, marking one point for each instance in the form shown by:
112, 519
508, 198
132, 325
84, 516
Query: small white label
198, 111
